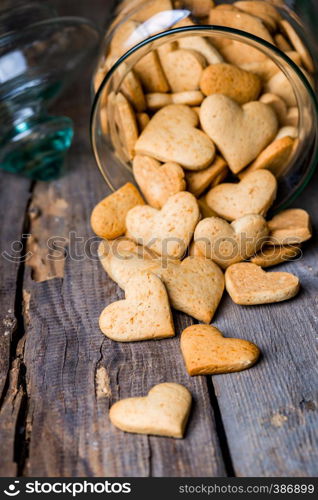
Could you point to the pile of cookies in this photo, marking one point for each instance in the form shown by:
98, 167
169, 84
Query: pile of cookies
142, 250
188, 117
184, 72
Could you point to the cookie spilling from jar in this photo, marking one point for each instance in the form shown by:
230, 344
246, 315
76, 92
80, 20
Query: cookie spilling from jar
180, 257
245, 105
208, 129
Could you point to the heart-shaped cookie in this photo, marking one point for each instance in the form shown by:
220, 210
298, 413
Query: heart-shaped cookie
226, 243
171, 135
125, 119
144, 314
240, 132
278, 105
109, 215
252, 195
202, 45
197, 182
241, 86
183, 69
150, 72
280, 85
232, 50
271, 256
123, 258
207, 352
167, 231
289, 227
248, 284
263, 10
274, 158
157, 182
163, 412
195, 286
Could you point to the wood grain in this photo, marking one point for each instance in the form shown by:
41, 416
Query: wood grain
59, 374
73, 372
270, 412
14, 198
65, 350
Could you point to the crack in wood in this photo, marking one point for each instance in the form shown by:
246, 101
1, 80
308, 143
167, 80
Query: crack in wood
229, 467
16, 389
150, 473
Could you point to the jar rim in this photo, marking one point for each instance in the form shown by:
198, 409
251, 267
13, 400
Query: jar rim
16, 36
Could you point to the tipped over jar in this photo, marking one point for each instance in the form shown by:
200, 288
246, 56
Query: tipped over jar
211, 91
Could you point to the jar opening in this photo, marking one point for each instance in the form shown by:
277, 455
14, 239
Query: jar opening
305, 100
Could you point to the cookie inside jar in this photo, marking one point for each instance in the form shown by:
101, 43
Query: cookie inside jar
198, 84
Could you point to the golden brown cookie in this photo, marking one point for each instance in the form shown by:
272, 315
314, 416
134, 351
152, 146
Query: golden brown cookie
195, 286
298, 44
199, 8
156, 181
287, 131
183, 69
289, 227
229, 80
132, 90
203, 46
248, 284
253, 194
240, 132
144, 314
127, 124
282, 43
226, 243
274, 158
236, 52
171, 135
292, 117
163, 412
150, 9
197, 182
207, 352
142, 120
167, 231
278, 105
271, 256
280, 85
150, 73
263, 10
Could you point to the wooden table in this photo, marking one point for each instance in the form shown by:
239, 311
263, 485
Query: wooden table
59, 374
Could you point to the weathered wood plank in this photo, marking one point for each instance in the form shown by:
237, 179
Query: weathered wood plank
270, 412
73, 372
65, 348
14, 196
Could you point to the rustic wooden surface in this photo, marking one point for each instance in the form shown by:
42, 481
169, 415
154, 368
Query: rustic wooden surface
59, 374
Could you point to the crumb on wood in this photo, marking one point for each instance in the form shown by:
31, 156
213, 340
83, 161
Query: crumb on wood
278, 420
102, 383
9, 323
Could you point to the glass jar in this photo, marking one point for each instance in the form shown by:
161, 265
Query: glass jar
267, 38
40, 55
